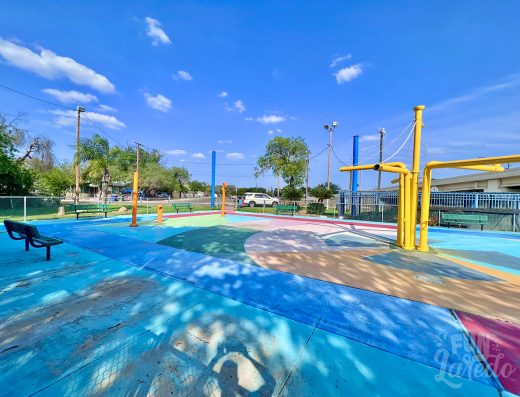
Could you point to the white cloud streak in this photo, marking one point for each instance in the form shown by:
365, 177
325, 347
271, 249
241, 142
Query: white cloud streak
198, 156
223, 94
240, 106
348, 74
106, 108
235, 156
270, 119
158, 102
51, 66
338, 59
182, 75
70, 96
65, 118
177, 152
155, 32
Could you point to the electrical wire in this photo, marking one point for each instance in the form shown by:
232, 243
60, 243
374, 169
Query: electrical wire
400, 147
36, 98
317, 154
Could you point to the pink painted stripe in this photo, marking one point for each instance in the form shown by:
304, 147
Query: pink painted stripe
499, 342
377, 226
289, 218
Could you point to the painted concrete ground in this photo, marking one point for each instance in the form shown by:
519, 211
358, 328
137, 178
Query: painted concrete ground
251, 305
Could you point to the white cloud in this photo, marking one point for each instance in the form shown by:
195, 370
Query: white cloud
248, 118
508, 82
223, 94
159, 102
70, 96
68, 118
198, 156
239, 105
155, 32
182, 75
106, 108
369, 138
270, 119
270, 132
340, 58
52, 66
349, 73
278, 130
235, 156
221, 141
177, 152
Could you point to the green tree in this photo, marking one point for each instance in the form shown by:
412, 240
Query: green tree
58, 180
321, 192
154, 177
95, 152
15, 178
291, 193
198, 186
285, 157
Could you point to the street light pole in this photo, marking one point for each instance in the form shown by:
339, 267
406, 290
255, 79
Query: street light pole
382, 133
330, 129
79, 109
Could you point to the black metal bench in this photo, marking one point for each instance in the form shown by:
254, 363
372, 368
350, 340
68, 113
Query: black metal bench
182, 206
29, 233
87, 209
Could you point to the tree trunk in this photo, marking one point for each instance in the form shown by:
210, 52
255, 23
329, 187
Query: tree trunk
105, 182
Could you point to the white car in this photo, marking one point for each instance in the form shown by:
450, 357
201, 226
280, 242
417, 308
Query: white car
261, 199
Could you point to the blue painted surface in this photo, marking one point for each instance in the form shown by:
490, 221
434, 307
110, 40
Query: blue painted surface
386, 322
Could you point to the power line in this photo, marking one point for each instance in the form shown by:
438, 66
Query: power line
36, 98
404, 143
316, 155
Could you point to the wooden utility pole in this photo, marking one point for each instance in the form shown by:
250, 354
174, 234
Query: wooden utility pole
382, 133
79, 109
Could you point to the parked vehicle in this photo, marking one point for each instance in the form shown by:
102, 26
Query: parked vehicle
260, 199
162, 195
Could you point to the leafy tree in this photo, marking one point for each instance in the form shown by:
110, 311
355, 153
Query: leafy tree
285, 157
291, 193
322, 193
198, 186
154, 177
96, 153
15, 178
58, 180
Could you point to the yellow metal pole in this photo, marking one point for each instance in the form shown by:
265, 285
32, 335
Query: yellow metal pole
483, 164
404, 216
357, 167
159, 214
224, 185
400, 212
416, 165
135, 193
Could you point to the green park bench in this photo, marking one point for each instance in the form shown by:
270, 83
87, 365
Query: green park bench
464, 219
182, 206
29, 233
286, 209
87, 209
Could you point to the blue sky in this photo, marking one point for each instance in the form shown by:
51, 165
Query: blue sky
190, 77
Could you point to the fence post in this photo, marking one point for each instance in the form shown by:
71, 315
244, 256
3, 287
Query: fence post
25, 208
475, 204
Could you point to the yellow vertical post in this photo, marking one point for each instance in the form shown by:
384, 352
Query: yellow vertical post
135, 194
416, 164
400, 212
159, 213
224, 185
425, 209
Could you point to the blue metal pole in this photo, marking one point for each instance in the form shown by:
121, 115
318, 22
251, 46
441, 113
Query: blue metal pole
213, 163
355, 161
